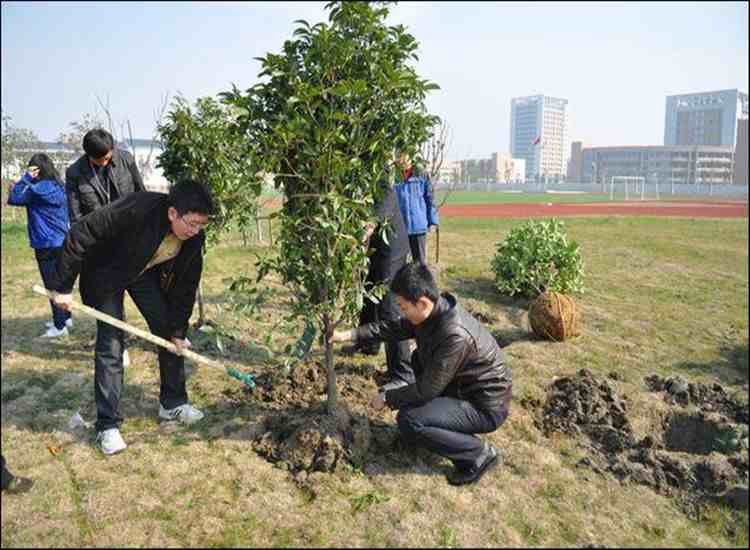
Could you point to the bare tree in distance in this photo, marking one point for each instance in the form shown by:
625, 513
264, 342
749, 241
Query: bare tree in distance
144, 164
102, 117
17, 147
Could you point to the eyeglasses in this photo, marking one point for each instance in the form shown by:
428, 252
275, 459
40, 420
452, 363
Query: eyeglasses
195, 226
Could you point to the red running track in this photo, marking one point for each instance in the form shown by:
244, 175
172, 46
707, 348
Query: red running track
516, 210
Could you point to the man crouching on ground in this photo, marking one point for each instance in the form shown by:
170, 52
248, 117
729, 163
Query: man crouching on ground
149, 244
463, 386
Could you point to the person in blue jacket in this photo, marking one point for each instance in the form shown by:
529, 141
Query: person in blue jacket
43, 194
417, 207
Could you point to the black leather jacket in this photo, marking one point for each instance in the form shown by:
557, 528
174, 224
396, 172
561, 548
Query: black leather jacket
85, 192
455, 356
110, 247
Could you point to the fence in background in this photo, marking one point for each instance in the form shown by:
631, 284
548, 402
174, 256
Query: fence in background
666, 189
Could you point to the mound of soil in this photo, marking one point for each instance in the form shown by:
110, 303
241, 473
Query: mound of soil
310, 440
698, 457
583, 404
295, 432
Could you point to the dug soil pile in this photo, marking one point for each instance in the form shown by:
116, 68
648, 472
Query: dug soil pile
295, 432
698, 454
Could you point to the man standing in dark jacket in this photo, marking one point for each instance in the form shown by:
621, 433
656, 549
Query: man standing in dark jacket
149, 244
102, 175
388, 255
463, 386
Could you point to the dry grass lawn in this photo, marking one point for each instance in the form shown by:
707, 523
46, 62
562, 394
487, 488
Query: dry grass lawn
666, 296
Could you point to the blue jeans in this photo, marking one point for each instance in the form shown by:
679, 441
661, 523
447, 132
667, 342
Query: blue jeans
446, 426
46, 258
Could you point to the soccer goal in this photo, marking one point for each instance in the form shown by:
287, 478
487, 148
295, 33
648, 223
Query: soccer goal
627, 187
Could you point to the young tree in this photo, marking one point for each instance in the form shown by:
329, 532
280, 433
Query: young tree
201, 142
336, 103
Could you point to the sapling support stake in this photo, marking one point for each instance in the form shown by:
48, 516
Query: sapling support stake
245, 378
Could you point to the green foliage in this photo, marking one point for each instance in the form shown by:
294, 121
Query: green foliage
202, 142
334, 105
325, 120
535, 257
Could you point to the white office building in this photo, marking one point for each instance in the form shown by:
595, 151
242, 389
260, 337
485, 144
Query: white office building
539, 135
705, 118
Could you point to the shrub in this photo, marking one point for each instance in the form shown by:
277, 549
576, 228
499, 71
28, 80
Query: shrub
535, 257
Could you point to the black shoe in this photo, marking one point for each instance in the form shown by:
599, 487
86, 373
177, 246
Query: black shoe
18, 485
355, 349
487, 460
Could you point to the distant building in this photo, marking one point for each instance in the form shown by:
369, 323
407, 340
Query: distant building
508, 169
740, 154
701, 164
449, 173
539, 134
705, 118
575, 163
519, 171
498, 168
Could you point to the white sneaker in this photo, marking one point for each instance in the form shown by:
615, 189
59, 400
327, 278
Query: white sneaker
187, 414
68, 323
125, 358
110, 441
52, 332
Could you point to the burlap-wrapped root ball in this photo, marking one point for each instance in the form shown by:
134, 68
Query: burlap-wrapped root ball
554, 316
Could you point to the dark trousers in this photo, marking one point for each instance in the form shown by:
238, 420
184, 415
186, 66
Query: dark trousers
418, 245
7, 476
108, 373
382, 269
46, 258
445, 425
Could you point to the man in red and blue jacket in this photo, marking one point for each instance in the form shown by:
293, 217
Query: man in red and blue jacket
415, 199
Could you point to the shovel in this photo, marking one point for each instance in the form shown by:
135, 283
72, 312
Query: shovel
247, 379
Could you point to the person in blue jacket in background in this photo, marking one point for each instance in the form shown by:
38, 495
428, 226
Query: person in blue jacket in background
417, 207
43, 194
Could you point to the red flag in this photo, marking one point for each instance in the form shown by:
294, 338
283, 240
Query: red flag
537, 140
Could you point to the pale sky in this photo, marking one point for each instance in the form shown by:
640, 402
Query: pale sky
615, 62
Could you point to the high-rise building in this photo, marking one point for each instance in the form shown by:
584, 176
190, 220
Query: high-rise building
740, 154
539, 134
705, 118
575, 163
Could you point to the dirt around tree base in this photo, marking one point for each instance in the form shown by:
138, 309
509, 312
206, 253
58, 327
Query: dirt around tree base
698, 457
296, 433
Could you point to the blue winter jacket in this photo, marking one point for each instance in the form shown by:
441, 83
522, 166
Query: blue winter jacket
417, 206
47, 208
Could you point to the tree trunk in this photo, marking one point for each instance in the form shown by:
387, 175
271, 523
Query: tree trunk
437, 244
201, 317
331, 373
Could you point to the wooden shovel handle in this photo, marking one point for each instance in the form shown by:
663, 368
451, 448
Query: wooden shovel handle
153, 338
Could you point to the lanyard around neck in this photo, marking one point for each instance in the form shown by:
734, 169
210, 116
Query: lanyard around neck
106, 189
